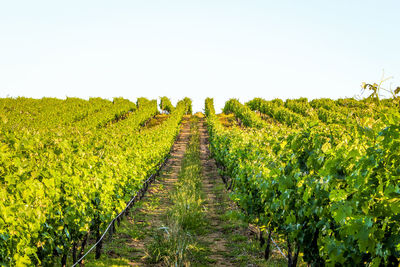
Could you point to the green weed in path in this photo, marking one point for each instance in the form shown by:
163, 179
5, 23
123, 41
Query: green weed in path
187, 200
170, 245
175, 243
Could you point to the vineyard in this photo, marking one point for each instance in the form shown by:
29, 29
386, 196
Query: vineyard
69, 166
322, 175
319, 180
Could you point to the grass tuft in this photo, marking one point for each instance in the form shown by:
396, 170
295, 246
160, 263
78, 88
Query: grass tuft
174, 243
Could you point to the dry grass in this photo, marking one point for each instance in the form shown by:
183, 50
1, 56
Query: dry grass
227, 120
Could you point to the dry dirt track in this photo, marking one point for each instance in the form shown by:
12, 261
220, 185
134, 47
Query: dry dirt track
213, 201
159, 192
129, 244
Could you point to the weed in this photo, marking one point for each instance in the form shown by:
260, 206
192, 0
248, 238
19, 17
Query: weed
173, 244
170, 246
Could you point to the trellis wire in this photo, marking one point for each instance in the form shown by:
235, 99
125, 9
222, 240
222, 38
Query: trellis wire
276, 245
139, 195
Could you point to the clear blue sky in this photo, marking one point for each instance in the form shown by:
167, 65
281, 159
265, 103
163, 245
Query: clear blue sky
220, 49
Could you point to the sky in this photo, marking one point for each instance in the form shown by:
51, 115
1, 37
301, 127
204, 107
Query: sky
220, 49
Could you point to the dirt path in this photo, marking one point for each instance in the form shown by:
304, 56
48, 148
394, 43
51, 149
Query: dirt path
127, 247
151, 214
224, 240
215, 202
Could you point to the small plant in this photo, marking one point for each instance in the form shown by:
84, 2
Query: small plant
165, 105
187, 209
170, 245
377, 89
173, 244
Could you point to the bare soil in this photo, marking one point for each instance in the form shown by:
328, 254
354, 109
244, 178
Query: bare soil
136, 233
149, 215
214, 202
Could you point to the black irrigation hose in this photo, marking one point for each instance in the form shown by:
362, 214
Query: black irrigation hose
139, 195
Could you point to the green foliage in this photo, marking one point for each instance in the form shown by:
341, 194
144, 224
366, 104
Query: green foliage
51, 114
377, 90
209, 107
187, 209
64, 180
275, 109
141, 102
165, 104
330, 189
299, 106
170, 245
188, 103
243, 113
